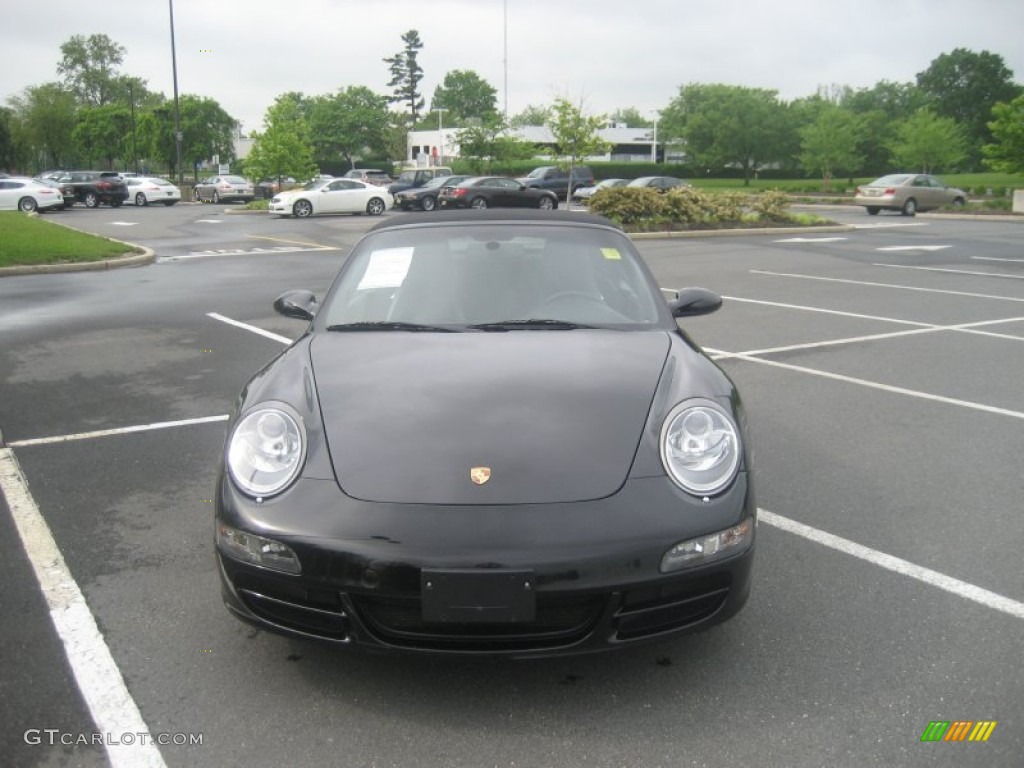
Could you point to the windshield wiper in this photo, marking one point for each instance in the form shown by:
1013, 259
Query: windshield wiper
540, 324
389, 325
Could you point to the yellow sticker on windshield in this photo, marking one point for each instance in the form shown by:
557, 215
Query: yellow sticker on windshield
612, 253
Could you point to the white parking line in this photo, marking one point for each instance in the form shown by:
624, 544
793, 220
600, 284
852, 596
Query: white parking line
953, 271
116, 431
112, 707
914, 248
722, 354
996, 258
889, 226
885, 285
897, 565
252, 328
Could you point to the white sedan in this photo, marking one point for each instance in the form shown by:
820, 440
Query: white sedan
20, 193
332, 196
143, 190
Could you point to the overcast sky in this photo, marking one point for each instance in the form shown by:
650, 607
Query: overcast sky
607, 53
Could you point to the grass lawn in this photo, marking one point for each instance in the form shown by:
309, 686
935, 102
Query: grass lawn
34, 240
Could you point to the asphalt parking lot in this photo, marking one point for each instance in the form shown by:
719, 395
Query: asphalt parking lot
881, 369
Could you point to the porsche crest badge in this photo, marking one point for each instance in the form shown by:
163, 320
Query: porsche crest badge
480, 475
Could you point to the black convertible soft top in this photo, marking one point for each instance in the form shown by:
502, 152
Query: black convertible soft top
494, 215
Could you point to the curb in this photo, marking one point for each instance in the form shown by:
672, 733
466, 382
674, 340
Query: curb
148, 256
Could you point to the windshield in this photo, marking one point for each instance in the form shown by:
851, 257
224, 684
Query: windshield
458, 277
316, 183
235, 180
407, 176
537, 173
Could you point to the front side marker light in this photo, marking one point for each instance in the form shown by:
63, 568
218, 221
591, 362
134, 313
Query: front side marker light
706, 549
257, 550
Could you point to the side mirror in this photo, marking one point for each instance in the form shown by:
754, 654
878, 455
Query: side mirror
299, 304
691, 302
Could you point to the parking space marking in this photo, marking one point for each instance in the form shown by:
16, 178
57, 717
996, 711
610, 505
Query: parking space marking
112, 707
318, 246
886, 285
251, 328
888, 226
810, 240
913, 248
116, 431
952, 271
897, 565
722, 354
996, 258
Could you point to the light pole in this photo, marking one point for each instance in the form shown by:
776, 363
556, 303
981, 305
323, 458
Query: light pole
440, 134
135, 152
177, 114
654, 142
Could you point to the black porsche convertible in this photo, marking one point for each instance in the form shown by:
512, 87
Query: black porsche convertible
493, 438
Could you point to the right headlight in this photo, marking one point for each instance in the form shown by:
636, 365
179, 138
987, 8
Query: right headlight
266, 450
700, 447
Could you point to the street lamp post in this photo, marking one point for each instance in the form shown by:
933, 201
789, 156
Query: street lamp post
177, 114
654, 142
135, 152
440, 134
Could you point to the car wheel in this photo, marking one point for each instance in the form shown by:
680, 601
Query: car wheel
909, 207
216, 196
428, 203
375, 207
478, 203
140, 199
27, 204
546, 203
302, 209
959, 202
92, 200
873, 210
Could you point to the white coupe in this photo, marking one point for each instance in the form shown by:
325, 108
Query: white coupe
332, 196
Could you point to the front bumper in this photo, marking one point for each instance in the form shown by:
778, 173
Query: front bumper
593, 568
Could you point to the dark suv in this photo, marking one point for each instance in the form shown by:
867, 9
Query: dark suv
557, 179
95, 187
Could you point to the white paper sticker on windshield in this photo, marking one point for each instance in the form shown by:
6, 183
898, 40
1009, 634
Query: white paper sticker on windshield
387, 268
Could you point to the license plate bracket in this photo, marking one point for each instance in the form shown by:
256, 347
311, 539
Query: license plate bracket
477, 596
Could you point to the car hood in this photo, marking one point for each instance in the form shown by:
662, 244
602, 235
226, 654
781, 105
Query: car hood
555, 416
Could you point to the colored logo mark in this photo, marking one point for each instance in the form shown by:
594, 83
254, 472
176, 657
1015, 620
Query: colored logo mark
958, 730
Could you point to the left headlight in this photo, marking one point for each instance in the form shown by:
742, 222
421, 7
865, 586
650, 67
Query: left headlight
266, 450
700, 447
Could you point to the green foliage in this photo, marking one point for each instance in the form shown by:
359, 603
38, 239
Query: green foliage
686, 208
964, 86
89, 68
829, 144
103, 133
347, 125
772, 205
532, 114
928, 142
725, 125
464, 94
207, 130
630, 116
45, 119
283, 149
575, 134
1006, 152
406, 74
486, 146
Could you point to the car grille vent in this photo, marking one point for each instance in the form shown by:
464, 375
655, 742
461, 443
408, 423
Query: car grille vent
649, 619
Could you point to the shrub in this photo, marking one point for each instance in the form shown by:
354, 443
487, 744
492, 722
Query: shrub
771, 205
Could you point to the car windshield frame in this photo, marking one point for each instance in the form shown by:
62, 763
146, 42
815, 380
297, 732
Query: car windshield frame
483, 277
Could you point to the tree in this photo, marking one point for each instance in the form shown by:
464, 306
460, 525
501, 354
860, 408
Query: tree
829, 144
729, 125
283, 149
1006, 152
631, 117
964, 86
89, 68
406, 74
464, 94
575, 135
103, 133
532, 114
8, 148
486, 143
928, 142
45, 118
348, 124
207, 130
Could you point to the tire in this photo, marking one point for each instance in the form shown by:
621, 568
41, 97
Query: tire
116, 203
873, 210
479, 203
546, 204
959, 202
140, 199
376, 206
92, 200
909, 208
27, 205
302, 209
216, 196
428, 203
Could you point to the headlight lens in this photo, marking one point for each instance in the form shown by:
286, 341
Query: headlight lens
266, 450
700, 447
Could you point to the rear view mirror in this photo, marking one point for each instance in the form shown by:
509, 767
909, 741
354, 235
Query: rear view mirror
691, 302
299, 304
